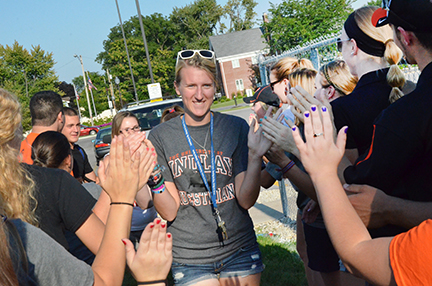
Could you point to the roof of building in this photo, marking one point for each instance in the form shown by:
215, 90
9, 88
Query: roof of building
240, 42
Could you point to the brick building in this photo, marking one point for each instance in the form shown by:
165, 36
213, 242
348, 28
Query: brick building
235, 53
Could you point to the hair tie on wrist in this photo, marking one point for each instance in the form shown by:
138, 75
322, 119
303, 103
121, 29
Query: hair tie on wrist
121, 203
152, 282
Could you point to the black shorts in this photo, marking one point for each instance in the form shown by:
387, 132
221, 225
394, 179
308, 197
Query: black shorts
320, 251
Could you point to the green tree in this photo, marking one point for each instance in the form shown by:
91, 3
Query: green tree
160, 35
240, 14
374, 3
196, 22
294, 22
25, 72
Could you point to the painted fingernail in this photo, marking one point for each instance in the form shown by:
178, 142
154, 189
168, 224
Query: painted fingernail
158, 220
152, 149
346, 130
154, 154
124, 242
306, 114
313, 108
324, 109
260, 125
294, 128
169, 235
152, 226
163, 225
148, 148
265, 117
260, 120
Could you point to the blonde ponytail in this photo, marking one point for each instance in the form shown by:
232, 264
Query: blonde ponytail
395, 77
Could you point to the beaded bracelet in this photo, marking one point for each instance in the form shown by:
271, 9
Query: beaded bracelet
159, 190
287, 167
151, 282
158, 184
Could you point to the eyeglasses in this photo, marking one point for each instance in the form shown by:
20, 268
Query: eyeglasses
339, 42
275, 82
188, 54
131, 129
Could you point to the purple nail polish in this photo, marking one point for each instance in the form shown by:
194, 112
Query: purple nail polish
294, 128
313, 108
346, 130
324, 109
306, 114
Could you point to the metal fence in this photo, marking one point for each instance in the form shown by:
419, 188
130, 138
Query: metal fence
321, 51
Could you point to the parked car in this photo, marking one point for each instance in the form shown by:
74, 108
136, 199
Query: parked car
149, 114
101, 146
86, 130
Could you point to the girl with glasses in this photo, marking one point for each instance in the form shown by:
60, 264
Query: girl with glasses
211, 179
126, 123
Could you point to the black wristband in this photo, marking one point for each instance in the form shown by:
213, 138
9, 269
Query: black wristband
121, 203
152, 282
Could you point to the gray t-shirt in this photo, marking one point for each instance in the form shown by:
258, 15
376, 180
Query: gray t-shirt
49, 262
196, 240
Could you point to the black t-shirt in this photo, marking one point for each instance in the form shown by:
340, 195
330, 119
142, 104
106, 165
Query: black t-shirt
359, 109
81, 165
62, 203
399, 159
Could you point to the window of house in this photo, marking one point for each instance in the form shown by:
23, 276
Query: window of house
239, 84
235, 64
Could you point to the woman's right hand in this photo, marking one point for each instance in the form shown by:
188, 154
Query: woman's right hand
152, 261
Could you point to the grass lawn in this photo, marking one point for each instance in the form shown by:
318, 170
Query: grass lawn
283, 266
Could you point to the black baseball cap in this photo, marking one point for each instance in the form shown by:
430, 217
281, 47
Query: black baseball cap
412, 15
264, 94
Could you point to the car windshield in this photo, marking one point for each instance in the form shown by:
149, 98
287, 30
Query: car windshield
103, 132
150, 116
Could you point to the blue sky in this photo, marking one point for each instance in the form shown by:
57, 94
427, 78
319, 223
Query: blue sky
66, 28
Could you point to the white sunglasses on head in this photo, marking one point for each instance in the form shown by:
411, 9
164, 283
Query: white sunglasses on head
188, 54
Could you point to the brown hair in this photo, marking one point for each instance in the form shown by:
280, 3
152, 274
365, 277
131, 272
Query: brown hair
118, 120
337, 74
392, 54
285, 66
197, 61
50, 149
171, 112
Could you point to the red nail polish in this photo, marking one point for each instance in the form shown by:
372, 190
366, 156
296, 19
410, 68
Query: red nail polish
124, 242
163, 225
154, 154
169, 235
152, 149
158, 221
147, 148
152, 226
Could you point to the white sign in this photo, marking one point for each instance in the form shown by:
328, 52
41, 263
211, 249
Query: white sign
154, 90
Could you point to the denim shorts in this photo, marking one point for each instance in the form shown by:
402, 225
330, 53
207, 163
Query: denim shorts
245, 262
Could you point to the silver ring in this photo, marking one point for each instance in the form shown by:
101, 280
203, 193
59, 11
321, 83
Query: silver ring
318, 134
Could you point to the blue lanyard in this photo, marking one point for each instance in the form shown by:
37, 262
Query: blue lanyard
211, 191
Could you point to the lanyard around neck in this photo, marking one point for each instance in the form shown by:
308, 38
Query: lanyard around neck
212, 190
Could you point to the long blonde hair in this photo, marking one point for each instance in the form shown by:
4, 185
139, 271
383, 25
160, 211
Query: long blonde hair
392, 54
337, 74
16, 186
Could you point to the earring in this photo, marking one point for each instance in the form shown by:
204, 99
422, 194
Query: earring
352, 53
286, 90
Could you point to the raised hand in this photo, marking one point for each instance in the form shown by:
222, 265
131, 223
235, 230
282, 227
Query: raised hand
303, 101
152, 261
257, 143
319, 154
120, 177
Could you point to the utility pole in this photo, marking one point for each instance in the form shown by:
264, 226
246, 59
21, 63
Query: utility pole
77, 96
145, 41
127, 52
91, 93
111, 89
85, 87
